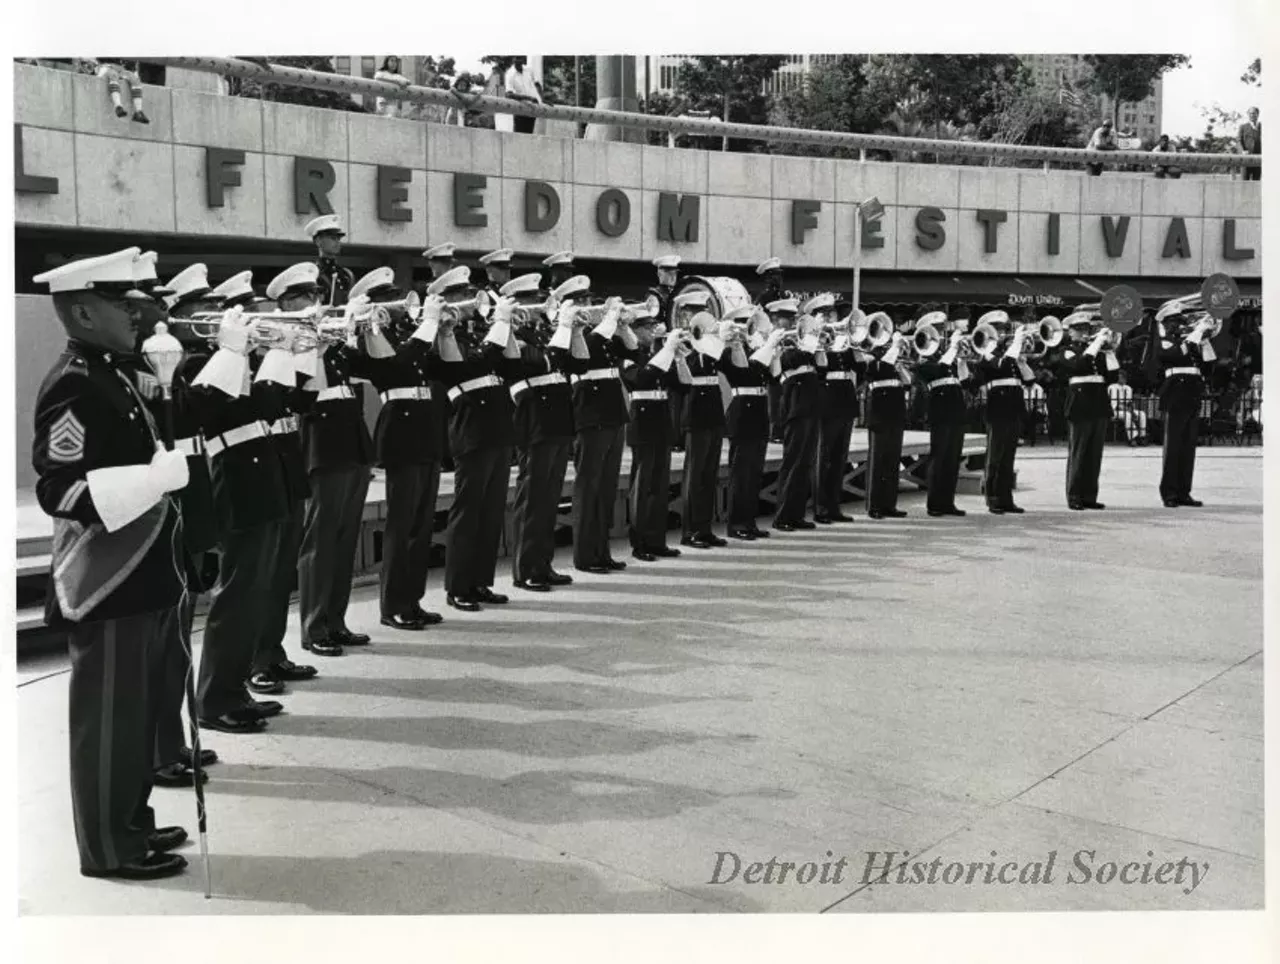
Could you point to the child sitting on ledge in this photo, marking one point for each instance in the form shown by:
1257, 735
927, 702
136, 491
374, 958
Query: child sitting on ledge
116, 70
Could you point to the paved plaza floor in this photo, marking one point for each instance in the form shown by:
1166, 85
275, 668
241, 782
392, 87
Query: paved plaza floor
1075, 692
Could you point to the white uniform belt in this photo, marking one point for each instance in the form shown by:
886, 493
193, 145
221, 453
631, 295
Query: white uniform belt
1002, 383
802, 370
754, 390
940, 382
1086, 380
840, 376
419, 393
194, 445
595, 374
485, 381
1188, 370
283, 426
650, 395
236, 436
887, 383
704, 381
335, 393
537, 381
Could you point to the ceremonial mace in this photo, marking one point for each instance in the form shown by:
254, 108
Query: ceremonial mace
164, 354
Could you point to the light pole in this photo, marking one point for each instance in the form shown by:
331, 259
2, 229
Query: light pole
868, 211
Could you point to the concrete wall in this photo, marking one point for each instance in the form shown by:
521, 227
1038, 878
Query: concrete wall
115, 174
38, 331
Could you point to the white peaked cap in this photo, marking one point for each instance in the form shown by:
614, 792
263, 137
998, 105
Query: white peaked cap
303, 273
375, 279
695, 297
997, 317
522, 285
441, 252
559, 258
772, 264
740, 314
501, 256
574, 286
237, 286
667, 261
782, 306
819, 302
1170, 309
326, 222
82, 275
193, 279
453, 278
144, 267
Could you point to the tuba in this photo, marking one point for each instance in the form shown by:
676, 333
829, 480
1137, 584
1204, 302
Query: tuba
926, 339
988, 332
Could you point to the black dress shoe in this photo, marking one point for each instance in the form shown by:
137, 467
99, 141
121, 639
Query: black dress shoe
323, 647
617, 565
265, 682
597, 570
1094, 505
428, 619
407, 622
695, 542
895, 514
875, 514
532, 585
347, 638
804, 524
177, 775
1190, 502
151, 867
841, 517
960, 513
164, 839
746, 534
643, 555
784, 527
207, 757
936, 513
758, 533
996, 509
665, 552
559, 578
822, 519
465, 603
1075, 506
293, 672
265, 708
487, 595
1014, 509
1171, 503
714, 539
239, 720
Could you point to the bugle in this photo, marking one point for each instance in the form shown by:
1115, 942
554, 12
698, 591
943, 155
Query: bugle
271, 329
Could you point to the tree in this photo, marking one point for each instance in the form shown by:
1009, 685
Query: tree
561, 84
1128, 78
1253, 73
937, 88
731, 88
266, 90
830, 98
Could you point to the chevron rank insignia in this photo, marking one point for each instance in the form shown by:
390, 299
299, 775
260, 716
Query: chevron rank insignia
66, 439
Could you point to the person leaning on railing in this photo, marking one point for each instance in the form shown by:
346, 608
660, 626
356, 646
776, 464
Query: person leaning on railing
390, 73
1165, 146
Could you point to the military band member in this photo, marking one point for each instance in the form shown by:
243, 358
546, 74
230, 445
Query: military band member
702, 422
592, 360
560, 269
1001, 380
943, 378
334, 281
497, 269
650, 380
117, 574
481, 434
440, 259
1088, 370
797, 370
887, 390
839, 409
543, 401
747, 419
1183, 362
771, 272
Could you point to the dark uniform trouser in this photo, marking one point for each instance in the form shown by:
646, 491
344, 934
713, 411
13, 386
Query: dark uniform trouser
884, 463
799, 443
701, 479
539, 483
833, 452
170, 729
746, 469
406, 538
237, 607
1181, 429
946, 442
1084, 458
598, 460
330, 532
1002, 447
475, 519
117, 670
650, 494
775, 412
269, 650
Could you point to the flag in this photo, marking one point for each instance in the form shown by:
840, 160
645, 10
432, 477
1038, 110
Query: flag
1068, 96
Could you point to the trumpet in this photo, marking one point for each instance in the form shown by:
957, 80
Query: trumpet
295, 330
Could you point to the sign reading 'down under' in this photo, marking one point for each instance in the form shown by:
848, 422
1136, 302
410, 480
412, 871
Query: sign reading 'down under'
678, 215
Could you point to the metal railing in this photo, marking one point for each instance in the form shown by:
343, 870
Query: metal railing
315, 80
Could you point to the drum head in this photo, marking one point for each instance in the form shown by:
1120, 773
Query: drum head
725, 294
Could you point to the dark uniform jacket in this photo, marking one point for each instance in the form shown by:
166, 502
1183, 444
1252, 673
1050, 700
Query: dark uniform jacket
748, 414
1004, 402
703, 406
840, 385
946, 404
409, 431
1181, 392
664, 296
801, 385
88, 416
650, 415
1088, 400
597, 402
335, 282
886, 407
287, 404
543, 399
334, 433
481, 414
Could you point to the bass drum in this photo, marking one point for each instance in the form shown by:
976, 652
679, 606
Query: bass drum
726, 294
